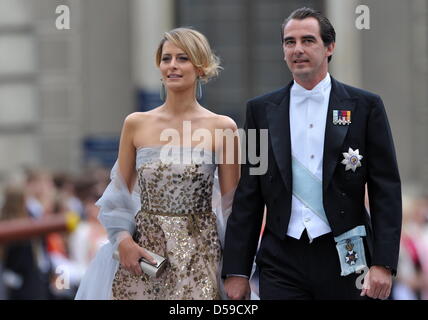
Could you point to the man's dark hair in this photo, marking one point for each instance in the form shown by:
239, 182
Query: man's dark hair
328, 35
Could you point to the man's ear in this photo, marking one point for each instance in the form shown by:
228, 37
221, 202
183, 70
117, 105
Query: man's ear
330, 49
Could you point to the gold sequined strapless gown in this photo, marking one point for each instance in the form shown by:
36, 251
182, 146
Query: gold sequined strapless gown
177, 222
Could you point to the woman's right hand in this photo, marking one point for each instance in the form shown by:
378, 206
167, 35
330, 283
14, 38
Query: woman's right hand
129, 255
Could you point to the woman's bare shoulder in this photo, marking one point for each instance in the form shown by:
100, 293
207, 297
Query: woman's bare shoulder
138, 118
219, 121
225, 122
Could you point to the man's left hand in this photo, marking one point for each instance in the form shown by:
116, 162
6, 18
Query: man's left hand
377, 283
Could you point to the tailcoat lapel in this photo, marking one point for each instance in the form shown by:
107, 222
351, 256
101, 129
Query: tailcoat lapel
278, 117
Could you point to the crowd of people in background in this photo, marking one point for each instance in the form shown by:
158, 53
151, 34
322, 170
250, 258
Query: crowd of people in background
412, 275
51, 266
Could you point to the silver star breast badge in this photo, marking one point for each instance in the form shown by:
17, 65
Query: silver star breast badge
352, 159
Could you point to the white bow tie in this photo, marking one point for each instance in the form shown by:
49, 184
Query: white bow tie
300, 95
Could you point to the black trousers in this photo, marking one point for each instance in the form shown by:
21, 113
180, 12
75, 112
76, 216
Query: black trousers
294, 269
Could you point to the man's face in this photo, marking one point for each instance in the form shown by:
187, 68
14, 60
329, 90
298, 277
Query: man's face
304, 50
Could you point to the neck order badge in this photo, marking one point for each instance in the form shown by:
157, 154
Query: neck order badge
341, 117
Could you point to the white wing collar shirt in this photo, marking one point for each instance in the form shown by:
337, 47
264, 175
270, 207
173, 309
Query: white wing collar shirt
308, 112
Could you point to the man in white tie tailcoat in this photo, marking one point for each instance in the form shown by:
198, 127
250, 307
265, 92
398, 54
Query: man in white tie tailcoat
327, 140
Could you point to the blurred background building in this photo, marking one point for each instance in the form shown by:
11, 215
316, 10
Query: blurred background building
65, 93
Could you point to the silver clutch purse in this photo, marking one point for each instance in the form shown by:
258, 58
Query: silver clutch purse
148, 268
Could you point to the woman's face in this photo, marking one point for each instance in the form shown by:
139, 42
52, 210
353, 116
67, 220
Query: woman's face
178, 73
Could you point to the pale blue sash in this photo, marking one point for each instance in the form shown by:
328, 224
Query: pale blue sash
308, 189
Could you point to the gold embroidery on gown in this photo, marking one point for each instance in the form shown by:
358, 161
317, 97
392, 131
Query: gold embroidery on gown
177, 222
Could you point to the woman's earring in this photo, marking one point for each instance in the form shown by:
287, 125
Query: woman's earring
162, 93
198, 88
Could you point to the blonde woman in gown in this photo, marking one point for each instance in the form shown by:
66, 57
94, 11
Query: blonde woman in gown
169, 198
